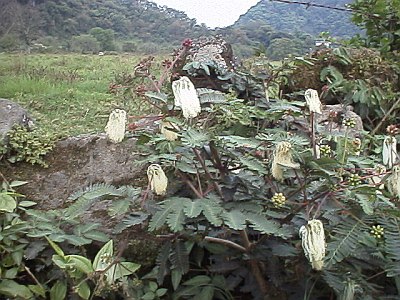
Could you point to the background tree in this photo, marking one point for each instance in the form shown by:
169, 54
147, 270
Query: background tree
381, 21
105, 37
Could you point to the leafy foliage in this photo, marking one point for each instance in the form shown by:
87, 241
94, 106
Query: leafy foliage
220, 228
29, 146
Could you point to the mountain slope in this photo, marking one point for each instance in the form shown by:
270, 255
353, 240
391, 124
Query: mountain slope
295, 18
138, 20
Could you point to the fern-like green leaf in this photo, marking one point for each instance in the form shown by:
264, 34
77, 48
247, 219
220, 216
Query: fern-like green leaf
131, 220
234, 219
180, 257
193, 209
365, 202
212, 210
162, 261
210, 96
392, 245
176, 219
79, 207
264, 225
170, 212
86, 197
253, 165
345, 241
194, 138
95, 191
240, 141
119, 207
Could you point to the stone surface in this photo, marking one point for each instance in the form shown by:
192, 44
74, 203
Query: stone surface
333, 125
12, 114
330, 121
76, 163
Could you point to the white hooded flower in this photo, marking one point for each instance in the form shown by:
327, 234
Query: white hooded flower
115, 128
313, 102
389, 151
313, 243
168, 130
282, 158
157, 179
186, 97
393, 182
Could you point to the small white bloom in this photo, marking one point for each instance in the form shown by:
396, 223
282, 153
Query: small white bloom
282, 157
168, 130
389, 151
313, 243
393, 182
115, 128
157, 179
313, 102
186, 97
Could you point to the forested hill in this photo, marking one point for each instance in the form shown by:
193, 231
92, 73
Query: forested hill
293, 18
58, 21
89, 26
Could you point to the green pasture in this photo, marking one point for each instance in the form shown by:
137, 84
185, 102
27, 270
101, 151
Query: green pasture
66, 94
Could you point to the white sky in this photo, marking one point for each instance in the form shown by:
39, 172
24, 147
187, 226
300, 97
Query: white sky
214, 13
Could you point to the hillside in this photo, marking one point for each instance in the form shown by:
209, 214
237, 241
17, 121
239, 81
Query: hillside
294, 18
60, 22
142, 26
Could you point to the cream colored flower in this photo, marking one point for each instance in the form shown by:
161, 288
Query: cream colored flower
389, 151
186, 97
313, 243
168, 130
393, 182
313, 102
115, 128
282, 158
157, 179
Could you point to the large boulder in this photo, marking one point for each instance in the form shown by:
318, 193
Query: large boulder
12, 114
74, 164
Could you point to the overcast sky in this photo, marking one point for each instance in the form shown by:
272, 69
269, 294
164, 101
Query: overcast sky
214, 13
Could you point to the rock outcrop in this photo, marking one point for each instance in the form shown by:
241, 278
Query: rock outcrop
76, 163
12, 114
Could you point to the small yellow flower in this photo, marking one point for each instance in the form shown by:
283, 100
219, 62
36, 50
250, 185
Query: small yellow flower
278, 200
354, 179
313, 243
377, 231
349, 122
157, 179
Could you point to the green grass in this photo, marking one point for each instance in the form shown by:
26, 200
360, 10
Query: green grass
66, 94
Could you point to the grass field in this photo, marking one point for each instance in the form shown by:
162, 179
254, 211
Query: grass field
66, 94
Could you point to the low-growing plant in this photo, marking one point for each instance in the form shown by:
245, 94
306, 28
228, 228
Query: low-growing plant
27, 145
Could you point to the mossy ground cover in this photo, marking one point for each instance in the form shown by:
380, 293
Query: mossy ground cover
66, 94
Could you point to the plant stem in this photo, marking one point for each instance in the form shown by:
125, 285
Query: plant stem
189, 184
226, 243
255, 268
33, 277
313, 141
385, 117
215, 184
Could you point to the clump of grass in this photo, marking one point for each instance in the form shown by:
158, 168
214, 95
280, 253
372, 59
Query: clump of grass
66, 94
